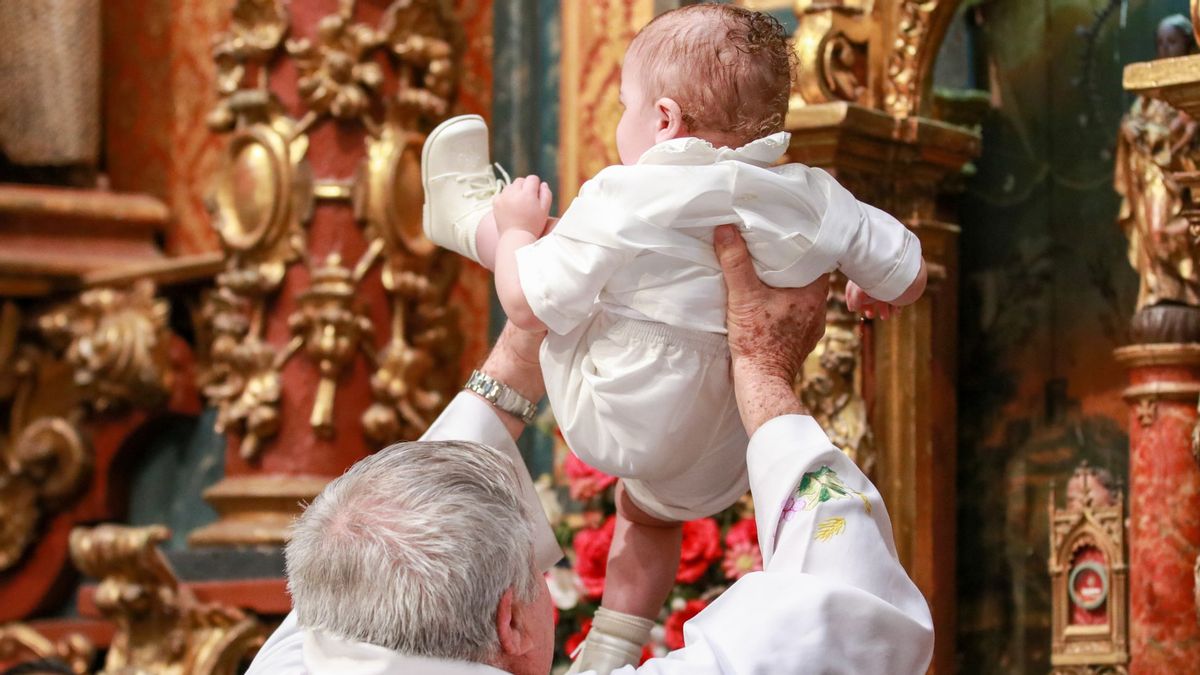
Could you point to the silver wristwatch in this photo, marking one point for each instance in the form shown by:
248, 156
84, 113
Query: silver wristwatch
502, 396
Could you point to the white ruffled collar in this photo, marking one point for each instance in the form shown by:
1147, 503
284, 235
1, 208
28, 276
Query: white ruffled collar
690, 150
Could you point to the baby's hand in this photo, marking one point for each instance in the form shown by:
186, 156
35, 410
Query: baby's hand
523, 205
857, 300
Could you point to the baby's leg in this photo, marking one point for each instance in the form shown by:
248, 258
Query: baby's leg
641, 571
642, 562
487, 236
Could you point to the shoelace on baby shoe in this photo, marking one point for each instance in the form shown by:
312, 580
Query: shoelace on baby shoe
485, 184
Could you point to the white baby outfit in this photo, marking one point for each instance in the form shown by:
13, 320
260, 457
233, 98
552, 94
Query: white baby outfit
636, 363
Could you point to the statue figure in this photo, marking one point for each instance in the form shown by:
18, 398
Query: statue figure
831, 393
1155, 141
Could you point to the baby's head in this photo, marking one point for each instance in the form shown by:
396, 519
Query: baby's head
718, 72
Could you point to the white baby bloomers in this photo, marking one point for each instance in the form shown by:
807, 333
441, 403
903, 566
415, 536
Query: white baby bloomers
636, 362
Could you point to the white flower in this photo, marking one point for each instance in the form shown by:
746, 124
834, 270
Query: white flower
564, 587
548, 496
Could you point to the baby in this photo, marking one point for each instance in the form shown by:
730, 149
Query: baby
636, 362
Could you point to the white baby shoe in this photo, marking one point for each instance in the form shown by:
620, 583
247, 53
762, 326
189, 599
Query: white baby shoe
459, 183
615, 641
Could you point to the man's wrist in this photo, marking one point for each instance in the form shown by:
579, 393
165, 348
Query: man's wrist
764, 395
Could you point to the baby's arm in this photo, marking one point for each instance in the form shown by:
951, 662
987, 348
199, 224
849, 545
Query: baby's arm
858, 300
883, 263
520, 210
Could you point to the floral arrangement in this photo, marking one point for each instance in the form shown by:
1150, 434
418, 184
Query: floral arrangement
716, 552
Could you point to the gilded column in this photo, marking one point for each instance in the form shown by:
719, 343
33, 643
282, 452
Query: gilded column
331, 333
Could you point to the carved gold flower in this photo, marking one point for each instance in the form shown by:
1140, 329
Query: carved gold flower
337, 73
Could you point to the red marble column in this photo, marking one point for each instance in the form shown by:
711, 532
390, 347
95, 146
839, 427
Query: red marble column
1164, 532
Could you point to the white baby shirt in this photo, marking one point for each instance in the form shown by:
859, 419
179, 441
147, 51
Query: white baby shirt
638, 239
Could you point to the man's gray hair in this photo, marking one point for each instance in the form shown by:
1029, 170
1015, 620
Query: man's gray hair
412, 548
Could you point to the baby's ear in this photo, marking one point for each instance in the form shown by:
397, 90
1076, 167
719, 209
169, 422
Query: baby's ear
670, 120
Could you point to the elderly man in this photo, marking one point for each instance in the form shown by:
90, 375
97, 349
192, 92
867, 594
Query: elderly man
427, 557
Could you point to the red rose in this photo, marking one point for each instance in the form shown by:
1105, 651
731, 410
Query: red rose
742, 532
701, 547
673, 633
591, 556
584, 481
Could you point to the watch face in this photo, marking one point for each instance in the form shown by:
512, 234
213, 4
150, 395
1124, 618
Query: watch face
1088, 585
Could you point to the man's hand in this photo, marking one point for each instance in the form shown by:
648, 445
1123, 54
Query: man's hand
523, 205
771, 332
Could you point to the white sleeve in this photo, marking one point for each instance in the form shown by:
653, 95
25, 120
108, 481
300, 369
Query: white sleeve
832, 598
884, 256
467, 418
562, 277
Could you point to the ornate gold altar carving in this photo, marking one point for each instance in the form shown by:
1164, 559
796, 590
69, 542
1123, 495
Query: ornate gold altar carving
1089, 577
100, 352
256, 30
21, 642
264, 198
116, 341
831, 385
331, 330
1156, 141
337, 75
874, 53
160, 625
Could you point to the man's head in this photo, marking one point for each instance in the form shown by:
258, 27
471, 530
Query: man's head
719, 72
425, 548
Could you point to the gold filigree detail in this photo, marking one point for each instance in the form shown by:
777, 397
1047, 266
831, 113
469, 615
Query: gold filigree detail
242, 379
337, 75
264, 195
332, 329
116, 341
911, 44
44, 460
255, 33
160, 625
831, 387
876, 54
20, 642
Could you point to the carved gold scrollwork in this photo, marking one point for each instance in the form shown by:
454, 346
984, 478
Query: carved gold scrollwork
255, 32
332, 330
19, 642
116, 341
337, 74
832, 386
264, 197
160, 625
876, 54
242, 378
423, 37
832, 44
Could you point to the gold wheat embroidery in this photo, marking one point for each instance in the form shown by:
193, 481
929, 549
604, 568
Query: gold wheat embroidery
829, 528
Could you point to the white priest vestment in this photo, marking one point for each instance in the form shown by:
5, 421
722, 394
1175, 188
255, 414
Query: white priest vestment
832, 598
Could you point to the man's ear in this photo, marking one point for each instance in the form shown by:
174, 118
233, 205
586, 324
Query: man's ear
670, 120
513, 642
